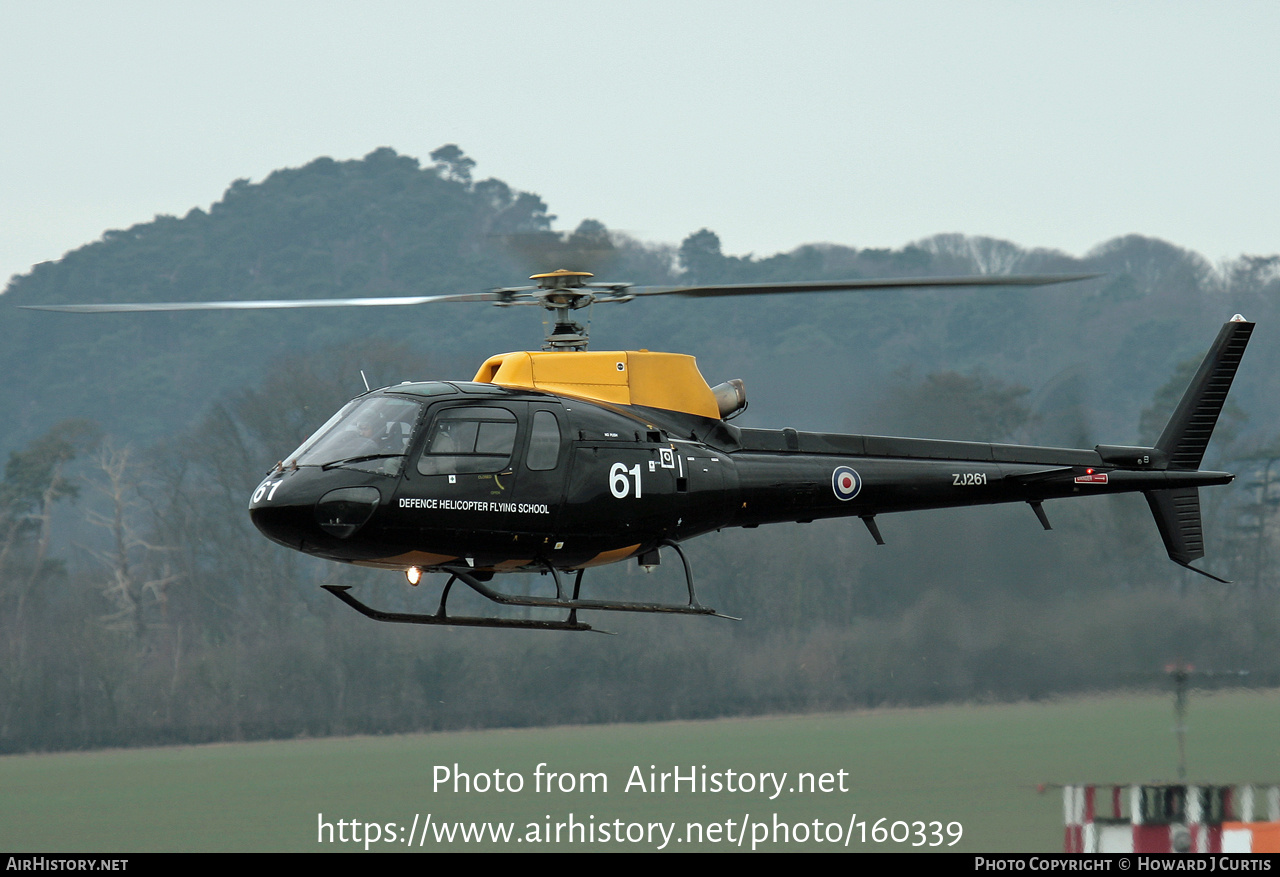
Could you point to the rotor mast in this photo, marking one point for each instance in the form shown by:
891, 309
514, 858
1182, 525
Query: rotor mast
562, 291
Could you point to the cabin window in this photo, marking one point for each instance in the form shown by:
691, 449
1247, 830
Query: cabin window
544, 442
469, 440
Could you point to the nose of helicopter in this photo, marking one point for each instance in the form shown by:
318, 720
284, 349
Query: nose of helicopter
300, 516
281, 524
278, 514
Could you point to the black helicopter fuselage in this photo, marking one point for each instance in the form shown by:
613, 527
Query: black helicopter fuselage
549, 462
496, 479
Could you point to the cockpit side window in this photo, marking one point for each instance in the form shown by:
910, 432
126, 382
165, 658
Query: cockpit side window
544, 442
469, 440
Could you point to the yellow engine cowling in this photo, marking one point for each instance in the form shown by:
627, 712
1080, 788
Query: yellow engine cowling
630, 377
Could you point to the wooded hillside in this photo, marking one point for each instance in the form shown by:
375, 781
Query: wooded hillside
138, 605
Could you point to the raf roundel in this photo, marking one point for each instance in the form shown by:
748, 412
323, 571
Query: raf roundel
845, 482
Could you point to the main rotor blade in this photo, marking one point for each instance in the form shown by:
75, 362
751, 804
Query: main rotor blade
266, 304
853, 285
514, 294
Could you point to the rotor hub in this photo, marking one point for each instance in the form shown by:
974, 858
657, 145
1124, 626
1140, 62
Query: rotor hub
562, 278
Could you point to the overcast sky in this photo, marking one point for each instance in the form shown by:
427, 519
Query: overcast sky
774, 124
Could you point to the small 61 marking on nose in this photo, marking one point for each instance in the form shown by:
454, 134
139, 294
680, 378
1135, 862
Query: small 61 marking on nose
264, 491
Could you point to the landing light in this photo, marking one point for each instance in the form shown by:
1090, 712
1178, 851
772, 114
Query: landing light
414, 575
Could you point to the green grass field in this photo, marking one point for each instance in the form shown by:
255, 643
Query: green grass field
975, 765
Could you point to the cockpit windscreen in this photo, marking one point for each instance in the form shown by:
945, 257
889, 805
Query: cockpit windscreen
371, 433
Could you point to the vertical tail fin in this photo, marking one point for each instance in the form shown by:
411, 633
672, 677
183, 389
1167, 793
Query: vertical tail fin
1187, 434
1185, 437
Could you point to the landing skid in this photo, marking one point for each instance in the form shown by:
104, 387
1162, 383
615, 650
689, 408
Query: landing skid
340, 591
571, 604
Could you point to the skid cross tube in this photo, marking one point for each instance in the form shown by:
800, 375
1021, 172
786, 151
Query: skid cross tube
601, 605
693, 607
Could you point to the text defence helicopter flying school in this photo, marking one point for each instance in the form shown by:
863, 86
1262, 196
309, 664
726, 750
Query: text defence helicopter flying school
559, 460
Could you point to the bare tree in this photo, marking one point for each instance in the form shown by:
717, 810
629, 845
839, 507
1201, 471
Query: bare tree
137, 572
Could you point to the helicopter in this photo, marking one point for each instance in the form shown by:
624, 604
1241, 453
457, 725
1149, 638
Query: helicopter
565, 459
